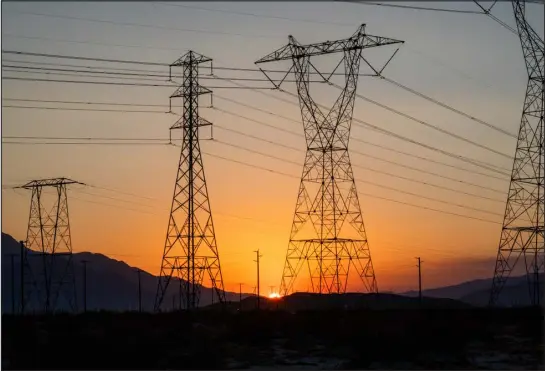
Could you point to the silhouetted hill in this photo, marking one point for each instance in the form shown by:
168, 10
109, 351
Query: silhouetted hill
477, 292
111, 284
350, 301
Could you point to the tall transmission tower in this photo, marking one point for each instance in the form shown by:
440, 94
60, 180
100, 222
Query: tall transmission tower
190, 247
328, 233
524, 221
48, 271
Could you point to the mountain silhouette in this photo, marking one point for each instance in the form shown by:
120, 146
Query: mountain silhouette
477, 292
111, 284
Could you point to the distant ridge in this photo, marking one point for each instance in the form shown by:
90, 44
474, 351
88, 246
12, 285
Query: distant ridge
113, 285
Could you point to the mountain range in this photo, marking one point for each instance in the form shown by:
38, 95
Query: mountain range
113, 285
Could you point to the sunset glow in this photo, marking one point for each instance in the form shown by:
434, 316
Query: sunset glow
274, 295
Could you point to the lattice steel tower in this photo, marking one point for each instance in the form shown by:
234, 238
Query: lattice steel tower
48, 280
328, 234
524, 220
190, 247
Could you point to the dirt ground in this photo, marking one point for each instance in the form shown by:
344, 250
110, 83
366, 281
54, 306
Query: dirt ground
363, 339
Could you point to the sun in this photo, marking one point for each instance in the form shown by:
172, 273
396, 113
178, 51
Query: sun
274, 295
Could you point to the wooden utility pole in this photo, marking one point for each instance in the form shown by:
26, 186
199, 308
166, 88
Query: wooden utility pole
240, 296
139, 271
84, 262
23, 256
179, 293
12, 259
257, 261
419, 279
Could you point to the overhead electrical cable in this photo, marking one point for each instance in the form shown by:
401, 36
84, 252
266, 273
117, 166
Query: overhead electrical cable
365, 194
133, 24
411, 7
119, 83
391, 81
365, 168
255, 15
381, 159
362, 123
85, 109
424, 123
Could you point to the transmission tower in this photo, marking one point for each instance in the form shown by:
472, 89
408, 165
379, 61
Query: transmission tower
328, 231
524, 220
190, 247
48, 271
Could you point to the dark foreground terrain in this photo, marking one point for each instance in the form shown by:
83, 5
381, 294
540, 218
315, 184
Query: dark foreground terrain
360, 339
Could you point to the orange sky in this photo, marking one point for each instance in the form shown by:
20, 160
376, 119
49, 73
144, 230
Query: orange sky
434, 60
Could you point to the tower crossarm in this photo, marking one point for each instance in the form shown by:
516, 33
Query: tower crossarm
360, 40
53, 182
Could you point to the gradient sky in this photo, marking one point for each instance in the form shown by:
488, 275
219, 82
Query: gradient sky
465, 60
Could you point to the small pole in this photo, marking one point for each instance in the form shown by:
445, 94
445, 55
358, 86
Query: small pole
138, 271
240, 296
23, 256
12, 258
257, 261
419, 279
179, 293
84, 262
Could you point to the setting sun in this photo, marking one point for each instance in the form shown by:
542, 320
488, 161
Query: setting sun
274, 295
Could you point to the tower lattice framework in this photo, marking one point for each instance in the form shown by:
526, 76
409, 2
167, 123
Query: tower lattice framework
190, 249
328, 233
524, 221
48, 280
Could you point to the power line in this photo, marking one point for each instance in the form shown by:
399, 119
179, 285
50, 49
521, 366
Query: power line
84, 109
60, 56
403, 138
381, 159
256, 15
126, 61
361, 181
362, 123
437, 128
450, 108
120, 75
87, 42
237, 115
146, 139
122, 140
83, 138
148, 212
412, 7
391, 81
117, 83
132, 24
354, 139
109, 143
91, 74
120, 192
372, 170
395, 83
84, 102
